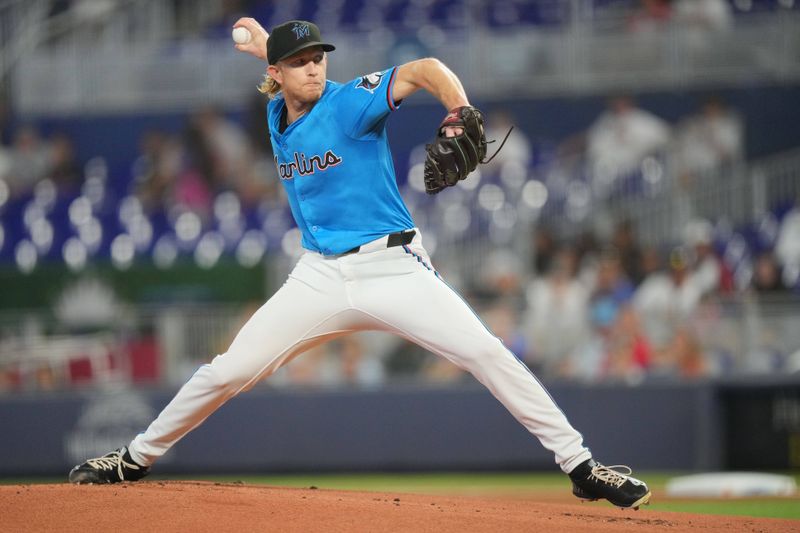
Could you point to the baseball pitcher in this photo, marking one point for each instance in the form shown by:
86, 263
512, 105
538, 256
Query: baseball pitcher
364, 266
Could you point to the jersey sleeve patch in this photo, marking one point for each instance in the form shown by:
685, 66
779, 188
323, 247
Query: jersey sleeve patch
370, 82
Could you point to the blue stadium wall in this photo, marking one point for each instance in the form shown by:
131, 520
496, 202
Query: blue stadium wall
701, 426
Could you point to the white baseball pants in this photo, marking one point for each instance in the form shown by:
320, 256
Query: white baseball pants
378, 288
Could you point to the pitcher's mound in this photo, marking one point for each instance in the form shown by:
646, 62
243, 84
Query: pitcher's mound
217, 507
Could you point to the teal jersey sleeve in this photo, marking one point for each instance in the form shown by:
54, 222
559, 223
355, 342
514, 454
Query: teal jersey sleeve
365, 103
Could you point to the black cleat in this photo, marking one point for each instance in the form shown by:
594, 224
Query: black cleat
113, 467
593, 481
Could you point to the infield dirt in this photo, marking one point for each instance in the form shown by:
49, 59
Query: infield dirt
207, 506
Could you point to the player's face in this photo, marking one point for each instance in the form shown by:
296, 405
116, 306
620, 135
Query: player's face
302, 76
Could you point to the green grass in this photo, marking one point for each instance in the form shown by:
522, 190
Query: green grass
521, 484
526, 485
452, 483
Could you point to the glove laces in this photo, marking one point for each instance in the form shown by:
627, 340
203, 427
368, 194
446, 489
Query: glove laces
485, 161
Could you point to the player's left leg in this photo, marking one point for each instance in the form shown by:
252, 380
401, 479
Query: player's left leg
400, 289
417, 304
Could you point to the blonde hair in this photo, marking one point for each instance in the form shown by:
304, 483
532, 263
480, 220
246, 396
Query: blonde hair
270, 87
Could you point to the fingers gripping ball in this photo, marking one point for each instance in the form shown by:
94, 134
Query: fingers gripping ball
241, 35
450, 159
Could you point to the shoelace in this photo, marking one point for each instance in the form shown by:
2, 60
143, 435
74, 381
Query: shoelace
611, 475
111, 461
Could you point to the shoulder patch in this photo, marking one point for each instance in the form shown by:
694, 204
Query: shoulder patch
370, 82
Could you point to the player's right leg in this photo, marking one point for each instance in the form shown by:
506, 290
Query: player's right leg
310, 308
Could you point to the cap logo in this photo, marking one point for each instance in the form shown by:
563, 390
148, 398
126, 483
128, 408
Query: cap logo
301, 30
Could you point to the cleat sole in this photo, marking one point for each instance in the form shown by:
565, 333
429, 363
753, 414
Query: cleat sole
644, 500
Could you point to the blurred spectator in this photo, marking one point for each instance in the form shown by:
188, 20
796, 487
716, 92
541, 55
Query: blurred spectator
651, 17
64, 170
543, 248
259, 184
666, 301
611, 295
45, 377
709, 139
683, 357
198, 168
707, 271
501, 275
256, 125
787, 247
700, 22
630, 255
156, 169
516, 152
9, 379
409, 360
556, 321
342, 361
703, 15
612, 290
227, 145
5, 120
628, 354
5, 136
262, 185
587, 249
198, 156
352, 358
622, 137
651, 261
28, 162
767, 275
5, 162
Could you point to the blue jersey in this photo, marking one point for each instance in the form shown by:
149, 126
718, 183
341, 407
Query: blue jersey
336, 167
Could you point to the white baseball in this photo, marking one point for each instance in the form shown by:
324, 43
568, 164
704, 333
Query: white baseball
241, 35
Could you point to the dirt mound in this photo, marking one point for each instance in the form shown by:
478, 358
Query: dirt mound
218, 507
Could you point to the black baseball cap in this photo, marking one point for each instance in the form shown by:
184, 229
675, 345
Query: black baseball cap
291, 37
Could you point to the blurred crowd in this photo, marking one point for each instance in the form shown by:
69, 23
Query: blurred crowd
212, 154
625, 134
600, 307
596, 311
697, 16
595, 307
620, 310
30, 159
592, 308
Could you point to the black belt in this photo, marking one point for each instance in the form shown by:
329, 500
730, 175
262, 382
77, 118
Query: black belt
395, 239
